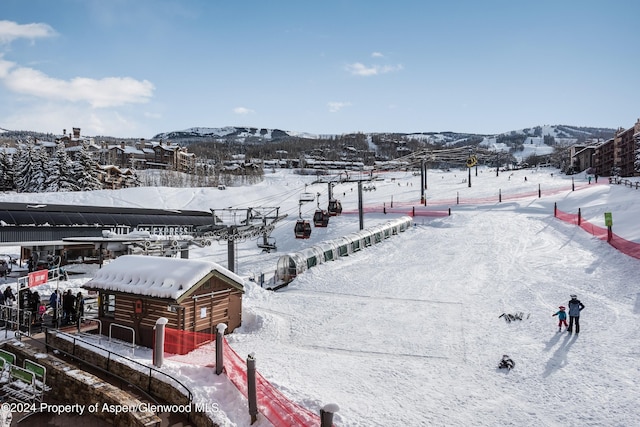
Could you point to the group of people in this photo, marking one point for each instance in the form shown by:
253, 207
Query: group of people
66, 308
27, 300
575, 307
72, 307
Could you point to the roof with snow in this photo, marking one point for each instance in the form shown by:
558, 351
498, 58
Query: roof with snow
158, 277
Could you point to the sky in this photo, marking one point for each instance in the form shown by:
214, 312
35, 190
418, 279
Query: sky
134, 69
408, 332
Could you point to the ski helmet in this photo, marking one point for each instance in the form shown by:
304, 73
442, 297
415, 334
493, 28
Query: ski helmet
573, 296
561, 307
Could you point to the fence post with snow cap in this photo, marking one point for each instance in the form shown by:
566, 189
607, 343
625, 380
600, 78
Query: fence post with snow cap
220, 328
326, 414
251, 387
158, 347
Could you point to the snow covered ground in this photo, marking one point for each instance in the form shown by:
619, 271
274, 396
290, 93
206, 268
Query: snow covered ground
408, 332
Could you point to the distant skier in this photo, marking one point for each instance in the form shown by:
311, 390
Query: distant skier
562, 318
575, 307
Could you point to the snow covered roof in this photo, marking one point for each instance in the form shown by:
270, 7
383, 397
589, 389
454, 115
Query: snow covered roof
159, 277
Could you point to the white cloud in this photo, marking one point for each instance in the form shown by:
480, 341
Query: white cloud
377, 55
99, 93
10, 31
242, 110
48, 116
360, 69
334, 107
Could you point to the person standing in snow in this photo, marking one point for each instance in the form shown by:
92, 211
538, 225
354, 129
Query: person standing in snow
562, 318
575, 307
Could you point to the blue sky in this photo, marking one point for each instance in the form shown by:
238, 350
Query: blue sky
135, 68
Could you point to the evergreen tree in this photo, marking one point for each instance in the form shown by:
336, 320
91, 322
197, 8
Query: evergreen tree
85, 171
59, 169
40, 160
25, 168
6, 169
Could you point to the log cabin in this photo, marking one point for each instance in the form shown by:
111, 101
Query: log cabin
134, 291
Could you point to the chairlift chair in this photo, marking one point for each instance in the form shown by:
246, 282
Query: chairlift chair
307, 197
268, 244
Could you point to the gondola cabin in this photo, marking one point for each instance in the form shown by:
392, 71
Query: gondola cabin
194, 295
321, 218
335, 207
302, 229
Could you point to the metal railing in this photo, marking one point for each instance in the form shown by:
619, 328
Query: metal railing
15, 318
112, 356
133, 332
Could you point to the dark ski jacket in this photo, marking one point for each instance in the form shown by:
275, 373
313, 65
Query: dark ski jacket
575, 306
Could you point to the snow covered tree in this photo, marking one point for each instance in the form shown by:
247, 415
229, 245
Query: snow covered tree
6, 169
59, 176
85, 171
28, 168
131, 180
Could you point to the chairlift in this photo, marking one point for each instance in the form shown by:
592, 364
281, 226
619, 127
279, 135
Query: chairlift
307, 197
268, 244
335, 207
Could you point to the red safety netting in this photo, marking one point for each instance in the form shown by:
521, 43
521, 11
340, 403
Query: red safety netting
415, 208
183, 342
274, 405
625, 246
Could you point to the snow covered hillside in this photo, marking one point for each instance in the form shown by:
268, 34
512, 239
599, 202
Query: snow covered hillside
408, 332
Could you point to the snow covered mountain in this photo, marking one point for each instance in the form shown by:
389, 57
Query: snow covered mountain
263, 135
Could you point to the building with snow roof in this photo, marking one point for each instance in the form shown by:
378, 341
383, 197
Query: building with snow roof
194, 295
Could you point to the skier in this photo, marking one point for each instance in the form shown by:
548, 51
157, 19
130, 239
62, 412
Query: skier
562, 318
575, 307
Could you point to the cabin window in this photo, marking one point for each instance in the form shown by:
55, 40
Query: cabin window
108, 305
312, 262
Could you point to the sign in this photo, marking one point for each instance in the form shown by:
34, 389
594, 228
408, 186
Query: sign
39, 277
472, 161
608, 219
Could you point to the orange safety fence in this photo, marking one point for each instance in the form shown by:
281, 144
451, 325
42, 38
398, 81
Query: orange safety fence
274, 405
625, 246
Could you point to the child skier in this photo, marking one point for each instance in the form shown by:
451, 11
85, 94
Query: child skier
562, 318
